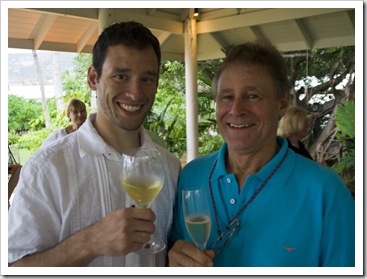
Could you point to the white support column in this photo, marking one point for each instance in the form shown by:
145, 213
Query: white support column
192, 130
105, 18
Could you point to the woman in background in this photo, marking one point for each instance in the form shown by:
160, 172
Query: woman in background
76, 111
295, 126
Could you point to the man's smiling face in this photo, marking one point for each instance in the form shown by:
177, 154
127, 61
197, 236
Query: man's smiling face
127, 86
247, 107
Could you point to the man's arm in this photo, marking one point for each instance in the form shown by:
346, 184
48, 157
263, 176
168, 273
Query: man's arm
119, 233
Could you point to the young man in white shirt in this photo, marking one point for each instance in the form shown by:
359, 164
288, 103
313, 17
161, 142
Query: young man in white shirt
70, 208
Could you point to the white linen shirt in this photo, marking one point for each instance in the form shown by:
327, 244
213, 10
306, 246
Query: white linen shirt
73, 184
55, 135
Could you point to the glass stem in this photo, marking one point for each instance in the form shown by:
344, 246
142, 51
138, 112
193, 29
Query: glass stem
201, 246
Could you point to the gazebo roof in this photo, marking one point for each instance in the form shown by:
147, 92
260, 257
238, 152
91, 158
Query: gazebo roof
218, 29
301, 25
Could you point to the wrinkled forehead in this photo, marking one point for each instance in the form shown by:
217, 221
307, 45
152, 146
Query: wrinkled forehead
237, 72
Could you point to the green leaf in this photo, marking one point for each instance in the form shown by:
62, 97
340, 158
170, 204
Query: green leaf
345, 118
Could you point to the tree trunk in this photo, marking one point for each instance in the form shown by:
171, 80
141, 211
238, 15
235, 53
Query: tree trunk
322, 144
57, 82
42, 87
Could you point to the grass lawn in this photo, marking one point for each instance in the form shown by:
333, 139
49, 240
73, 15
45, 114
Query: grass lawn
24, 155
21, 155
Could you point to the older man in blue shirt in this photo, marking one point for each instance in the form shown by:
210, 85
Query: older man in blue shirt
272, 206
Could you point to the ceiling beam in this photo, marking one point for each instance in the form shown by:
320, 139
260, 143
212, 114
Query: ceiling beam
162, 38
43, 25
173, 56
336, 41
261, 17
351, 20
303, 31
184, 14
20, 43
156, 23
88, 13
255, 30
208, 55
93, 27
168, 25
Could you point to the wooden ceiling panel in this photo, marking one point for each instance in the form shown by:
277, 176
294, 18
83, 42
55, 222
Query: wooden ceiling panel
218, 28
329, 26
21, 23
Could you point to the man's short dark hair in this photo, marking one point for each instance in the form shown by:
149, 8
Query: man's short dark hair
130, 34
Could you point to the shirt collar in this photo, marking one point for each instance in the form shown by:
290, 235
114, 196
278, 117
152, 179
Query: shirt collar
220, 168
91, 143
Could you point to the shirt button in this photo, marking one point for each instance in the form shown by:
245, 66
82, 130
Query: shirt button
229, 180
232, 201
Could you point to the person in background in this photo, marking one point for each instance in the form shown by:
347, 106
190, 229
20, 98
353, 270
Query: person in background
269, 206
76, 111
295, 126
70, 208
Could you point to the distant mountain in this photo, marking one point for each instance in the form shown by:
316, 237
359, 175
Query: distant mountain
22, 70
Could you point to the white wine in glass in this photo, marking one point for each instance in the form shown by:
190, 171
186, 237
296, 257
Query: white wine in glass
197, 216
143, 190
142, 178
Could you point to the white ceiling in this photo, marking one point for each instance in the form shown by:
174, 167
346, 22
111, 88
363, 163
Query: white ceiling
290, 29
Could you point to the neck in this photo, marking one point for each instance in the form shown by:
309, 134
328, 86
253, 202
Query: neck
118, 138
243, 165
71, 128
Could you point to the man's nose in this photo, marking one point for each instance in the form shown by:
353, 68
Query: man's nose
238, 106
135, 89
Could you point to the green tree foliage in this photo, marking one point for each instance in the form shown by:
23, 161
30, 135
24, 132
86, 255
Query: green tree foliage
319, 63
168, 116
345, 121
21, 113
329, 77
75, 83
26, 115
33, 139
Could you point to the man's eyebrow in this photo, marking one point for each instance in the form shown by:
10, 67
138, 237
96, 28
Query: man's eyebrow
230, 90
120, 70
126, 70
151, 73
225, 90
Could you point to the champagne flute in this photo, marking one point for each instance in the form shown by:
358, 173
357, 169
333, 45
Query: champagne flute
142, 178
197, 216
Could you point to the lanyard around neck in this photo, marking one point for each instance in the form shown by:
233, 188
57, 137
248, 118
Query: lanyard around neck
248, 202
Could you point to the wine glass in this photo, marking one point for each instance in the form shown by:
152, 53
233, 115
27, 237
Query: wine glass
142, 178
197, 216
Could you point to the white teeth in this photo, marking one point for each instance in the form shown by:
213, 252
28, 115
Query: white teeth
239, 126
130, 108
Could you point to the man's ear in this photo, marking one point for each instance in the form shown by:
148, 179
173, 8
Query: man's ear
92, 78
284, 102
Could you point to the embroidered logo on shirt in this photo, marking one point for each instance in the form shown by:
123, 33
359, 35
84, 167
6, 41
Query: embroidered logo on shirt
288, 249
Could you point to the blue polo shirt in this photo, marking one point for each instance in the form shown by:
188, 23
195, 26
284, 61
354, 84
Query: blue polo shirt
304, 216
